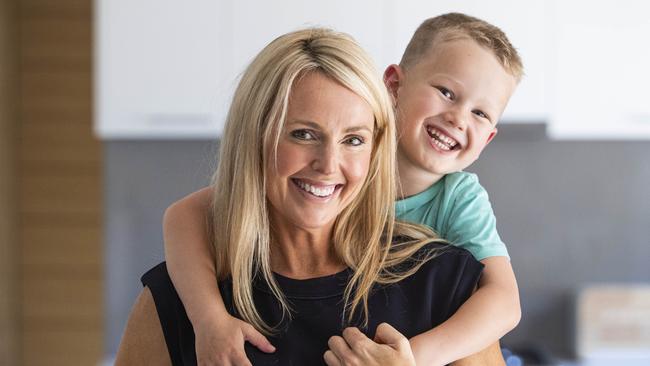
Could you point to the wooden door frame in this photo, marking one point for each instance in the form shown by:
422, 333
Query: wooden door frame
8, 206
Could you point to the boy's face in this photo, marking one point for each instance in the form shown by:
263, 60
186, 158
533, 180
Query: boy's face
448, 104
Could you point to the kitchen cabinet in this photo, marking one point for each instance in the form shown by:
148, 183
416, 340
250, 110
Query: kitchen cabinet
167, 69
600, 70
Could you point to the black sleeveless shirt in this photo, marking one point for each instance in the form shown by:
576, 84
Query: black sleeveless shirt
413, 306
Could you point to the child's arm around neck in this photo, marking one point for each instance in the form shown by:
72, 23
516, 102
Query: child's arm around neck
219, 336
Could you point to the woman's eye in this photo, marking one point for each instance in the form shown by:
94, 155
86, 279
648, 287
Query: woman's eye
445, 92
303, 135
355, 141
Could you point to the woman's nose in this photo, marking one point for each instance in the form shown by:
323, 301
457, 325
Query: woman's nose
326, 159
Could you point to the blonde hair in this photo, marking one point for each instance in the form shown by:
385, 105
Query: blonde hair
453, 26
240, 226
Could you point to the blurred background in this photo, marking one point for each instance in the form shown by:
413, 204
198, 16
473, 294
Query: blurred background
111, 109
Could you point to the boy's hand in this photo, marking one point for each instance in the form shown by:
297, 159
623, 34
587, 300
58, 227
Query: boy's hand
222, 342
389, 347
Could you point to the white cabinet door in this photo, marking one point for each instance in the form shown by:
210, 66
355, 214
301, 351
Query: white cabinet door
167, 68
157, 67
601, 70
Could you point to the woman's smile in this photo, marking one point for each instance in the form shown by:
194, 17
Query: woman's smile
315, 190
323, 154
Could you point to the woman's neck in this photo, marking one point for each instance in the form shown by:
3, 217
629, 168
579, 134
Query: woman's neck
304, 253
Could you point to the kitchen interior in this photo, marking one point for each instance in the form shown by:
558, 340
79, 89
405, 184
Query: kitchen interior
110, 110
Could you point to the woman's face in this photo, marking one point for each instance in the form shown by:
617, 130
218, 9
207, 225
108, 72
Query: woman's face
323, 154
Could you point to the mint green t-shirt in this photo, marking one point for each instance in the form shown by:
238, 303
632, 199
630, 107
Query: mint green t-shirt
458, 209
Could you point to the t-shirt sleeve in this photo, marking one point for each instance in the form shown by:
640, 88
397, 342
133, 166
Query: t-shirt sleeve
176, 326
471, 223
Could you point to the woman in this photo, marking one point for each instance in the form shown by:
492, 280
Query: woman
303, 221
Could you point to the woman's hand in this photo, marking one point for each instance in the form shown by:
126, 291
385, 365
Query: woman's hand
221, 342
389, 347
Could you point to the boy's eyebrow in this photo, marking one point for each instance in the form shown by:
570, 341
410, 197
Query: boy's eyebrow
452, 79
316, 126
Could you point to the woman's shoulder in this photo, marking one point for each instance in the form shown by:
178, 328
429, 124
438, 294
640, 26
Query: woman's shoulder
433, 245
439, 277
442, 258
453, 258
157, 275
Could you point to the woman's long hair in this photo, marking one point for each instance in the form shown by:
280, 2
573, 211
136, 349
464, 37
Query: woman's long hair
240, 228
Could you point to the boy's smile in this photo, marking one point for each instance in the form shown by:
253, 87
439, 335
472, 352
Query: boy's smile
448, 104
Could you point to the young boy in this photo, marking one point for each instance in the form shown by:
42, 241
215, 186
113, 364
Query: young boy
449, 90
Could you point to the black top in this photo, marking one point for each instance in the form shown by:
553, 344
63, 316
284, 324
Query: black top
413, 305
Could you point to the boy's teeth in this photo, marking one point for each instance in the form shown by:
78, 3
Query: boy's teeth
441, 140
441, 145
320, 192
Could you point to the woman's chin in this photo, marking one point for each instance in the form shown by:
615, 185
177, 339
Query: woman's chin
308, 221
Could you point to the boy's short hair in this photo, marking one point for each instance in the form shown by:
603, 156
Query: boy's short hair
453, 26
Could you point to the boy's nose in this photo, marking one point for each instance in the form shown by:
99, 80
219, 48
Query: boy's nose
326, 160
457, 118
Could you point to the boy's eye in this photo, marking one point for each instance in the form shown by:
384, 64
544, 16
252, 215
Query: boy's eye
305, 135
482, 114
446, 92
354, 141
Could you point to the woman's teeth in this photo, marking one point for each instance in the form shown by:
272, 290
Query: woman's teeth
439, 139
320, 192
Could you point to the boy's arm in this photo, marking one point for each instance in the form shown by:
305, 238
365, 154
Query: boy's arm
490, 356
188, 257
219, 337
491, 312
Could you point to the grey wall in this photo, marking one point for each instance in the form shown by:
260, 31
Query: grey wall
141, 179
572, 213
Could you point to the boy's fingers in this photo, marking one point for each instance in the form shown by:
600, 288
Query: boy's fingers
257, 339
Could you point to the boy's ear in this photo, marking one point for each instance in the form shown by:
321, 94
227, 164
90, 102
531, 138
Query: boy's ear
393, 77
491, 136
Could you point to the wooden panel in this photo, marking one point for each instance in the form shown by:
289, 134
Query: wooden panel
65, 89
46, 113
60, 194
55, 57
60, 187
59, 247
69, 31
70, 295
73, 10
29, 220
61, 347
8, 123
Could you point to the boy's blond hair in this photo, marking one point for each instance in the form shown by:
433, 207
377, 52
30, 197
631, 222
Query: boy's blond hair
453, 26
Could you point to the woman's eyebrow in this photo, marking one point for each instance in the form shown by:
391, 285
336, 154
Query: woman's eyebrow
316, 126
358, 128
309, 124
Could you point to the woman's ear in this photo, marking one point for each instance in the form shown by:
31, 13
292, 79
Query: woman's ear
393, 77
